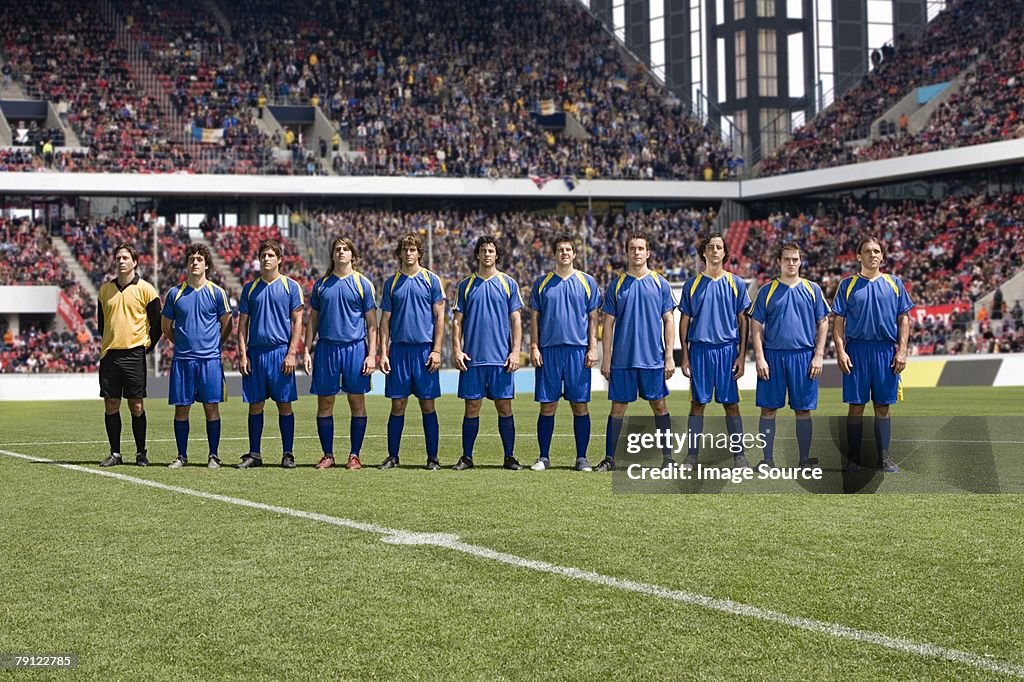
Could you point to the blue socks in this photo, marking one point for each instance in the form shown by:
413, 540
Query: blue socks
357, 431
255, 433
734, 425
287, 424
181, 438
396, 424
663, 422
325, 430
431, 433
804, 431
581, 430
545, 429
766, 428
507, 430
883, 432
695, 425
470, 427
854, 436
611, 437
213, 436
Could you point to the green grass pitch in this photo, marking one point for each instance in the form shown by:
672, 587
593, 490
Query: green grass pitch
144, 583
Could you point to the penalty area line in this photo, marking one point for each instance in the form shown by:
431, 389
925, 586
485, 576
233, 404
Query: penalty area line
451, 542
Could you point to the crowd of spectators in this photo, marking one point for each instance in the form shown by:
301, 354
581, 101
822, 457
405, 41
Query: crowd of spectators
28, 258
66, 52
34, 350
524, 237
988, 108
406, 100
964, 32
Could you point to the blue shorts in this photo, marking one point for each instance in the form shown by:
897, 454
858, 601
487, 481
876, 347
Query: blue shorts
787, 371
711, 373
409, 374
562, 375
624, 384
196, 380
265, 378
338, 367
487, 381
872, 378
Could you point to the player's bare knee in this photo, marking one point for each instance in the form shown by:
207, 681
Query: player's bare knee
473, 408
357, 404
325, 405
181, 412
658, 407
800, 414
256, 408
398, 406
580, 409
504, 407
618, 410
111, 405
855, 411
427, 405
696, 409
136, 406
767, 413
212, 411
881, 411
548, 409
284, 409
732, 409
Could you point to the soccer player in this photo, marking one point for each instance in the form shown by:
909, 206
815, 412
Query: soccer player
486, 335
871, 331
269, 331
563, 348
344, 315
713, 328
411, 330
197, 320
790, 325
638, 336
129, 321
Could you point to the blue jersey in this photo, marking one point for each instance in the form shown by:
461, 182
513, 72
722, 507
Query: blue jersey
410, 300
712, 305
486, 305
871, 307
637, 304
269, 307
341, 304
196, 315
790, 314
564, 306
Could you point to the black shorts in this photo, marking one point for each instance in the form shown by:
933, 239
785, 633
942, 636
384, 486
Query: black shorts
123, 373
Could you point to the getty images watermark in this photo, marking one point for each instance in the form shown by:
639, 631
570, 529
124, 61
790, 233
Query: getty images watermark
675, 446
954, 455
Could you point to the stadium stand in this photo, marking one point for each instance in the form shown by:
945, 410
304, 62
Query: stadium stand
957, 38
469, 105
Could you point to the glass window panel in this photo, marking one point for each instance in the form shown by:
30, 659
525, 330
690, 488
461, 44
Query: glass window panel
657, 29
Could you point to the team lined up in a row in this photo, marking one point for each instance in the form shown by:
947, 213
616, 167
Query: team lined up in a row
790, 326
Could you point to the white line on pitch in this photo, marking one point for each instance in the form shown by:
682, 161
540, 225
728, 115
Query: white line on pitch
447, 541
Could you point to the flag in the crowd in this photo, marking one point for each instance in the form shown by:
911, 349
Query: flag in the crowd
207, 135
570, 181
620, 82
68, 313
547, 107
539, 181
